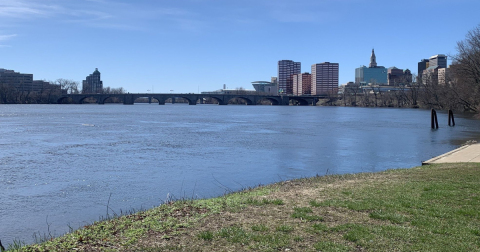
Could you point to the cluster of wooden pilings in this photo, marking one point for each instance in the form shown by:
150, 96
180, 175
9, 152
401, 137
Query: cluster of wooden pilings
434, 119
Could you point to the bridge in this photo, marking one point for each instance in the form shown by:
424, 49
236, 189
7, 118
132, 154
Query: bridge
193, 99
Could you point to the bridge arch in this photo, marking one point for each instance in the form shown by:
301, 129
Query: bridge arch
113, 99
160, 100
234, 100
272, 101
65, 100
217, 99
83, 98
299, 101
147, 99
189, 99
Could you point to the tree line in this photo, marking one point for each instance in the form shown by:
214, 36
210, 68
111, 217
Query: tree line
46, 92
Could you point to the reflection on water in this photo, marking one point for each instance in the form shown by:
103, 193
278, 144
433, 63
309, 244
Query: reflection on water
63, 161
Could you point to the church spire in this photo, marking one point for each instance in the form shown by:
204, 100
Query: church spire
373, 59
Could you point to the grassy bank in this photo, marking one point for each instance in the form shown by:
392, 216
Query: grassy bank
429, 208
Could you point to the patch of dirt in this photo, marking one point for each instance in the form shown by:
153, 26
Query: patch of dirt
293, 194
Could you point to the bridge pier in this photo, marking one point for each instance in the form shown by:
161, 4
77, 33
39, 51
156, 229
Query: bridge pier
284, 100
128, 99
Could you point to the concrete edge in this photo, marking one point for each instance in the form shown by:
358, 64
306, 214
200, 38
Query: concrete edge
430, 161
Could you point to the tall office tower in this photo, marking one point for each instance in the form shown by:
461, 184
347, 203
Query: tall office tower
439, 60
93, 84
325, 78
302, 84
286, 70
422, 65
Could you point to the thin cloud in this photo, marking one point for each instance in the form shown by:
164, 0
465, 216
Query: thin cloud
6, 37
106, 14
25, 9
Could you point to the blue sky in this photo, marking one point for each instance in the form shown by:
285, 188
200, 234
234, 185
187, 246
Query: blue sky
191, 45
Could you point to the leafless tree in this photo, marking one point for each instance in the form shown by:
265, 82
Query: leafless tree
7, 93
352, 90
459, 88
67, 86
332, 97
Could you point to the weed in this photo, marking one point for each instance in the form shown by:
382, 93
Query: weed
256, 202
394, 218
206, 235
302, 213
318, 227
260, 228
331, 246
298, 239
234, 234
284, 228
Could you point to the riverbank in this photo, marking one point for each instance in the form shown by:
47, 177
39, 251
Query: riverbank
428, 208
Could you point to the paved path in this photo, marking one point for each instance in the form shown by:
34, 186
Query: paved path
464, 154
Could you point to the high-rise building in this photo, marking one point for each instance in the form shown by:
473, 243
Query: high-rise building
286, 70
93, 84
325, 78
397, 76
442, 76
439, 60
436, 72
422, 65
302, 84
372, 74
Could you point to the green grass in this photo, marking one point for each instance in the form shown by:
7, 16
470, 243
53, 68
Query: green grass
327, 246
260, 228
257, 202
303, 213
206, 235
284, 228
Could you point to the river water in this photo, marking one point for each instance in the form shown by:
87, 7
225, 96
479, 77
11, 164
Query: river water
60, 164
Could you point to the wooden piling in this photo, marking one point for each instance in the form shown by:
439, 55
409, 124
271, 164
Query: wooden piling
434, 119
451, 119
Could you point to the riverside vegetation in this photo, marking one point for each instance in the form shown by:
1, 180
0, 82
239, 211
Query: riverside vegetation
427, 208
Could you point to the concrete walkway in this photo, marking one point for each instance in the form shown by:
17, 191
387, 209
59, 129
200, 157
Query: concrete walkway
464, 154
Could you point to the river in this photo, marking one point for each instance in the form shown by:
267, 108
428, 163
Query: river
61, 164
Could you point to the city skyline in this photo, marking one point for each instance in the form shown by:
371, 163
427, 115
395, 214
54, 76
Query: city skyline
148, 44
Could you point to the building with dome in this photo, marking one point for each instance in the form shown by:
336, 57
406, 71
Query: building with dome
93, 83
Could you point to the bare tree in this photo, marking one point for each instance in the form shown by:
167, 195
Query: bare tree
459, 88
67, 86
7, 93
353, 90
